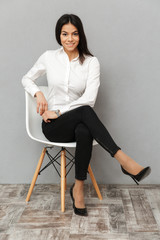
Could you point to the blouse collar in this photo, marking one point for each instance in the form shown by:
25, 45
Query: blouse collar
74, 59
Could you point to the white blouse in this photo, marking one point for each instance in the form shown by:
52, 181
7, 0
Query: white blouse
70, 83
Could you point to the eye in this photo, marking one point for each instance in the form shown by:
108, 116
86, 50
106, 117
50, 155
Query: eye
76, 34
64, 34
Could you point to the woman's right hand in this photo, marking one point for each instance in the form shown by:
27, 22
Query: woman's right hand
42, 104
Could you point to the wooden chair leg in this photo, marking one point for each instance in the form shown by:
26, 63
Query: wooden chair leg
63, 182
65, 170
94, 182
36, 175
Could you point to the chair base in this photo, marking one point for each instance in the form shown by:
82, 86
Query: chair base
62, 175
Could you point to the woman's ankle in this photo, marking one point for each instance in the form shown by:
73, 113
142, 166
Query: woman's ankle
79, 184
128, 163
78, 194
121, 157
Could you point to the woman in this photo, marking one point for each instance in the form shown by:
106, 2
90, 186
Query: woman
73, 81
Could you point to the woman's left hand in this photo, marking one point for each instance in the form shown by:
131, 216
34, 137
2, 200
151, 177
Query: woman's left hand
49, 115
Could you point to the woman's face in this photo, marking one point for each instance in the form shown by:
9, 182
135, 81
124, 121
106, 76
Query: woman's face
69, 37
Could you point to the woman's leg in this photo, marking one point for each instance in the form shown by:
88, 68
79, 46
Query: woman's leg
67, 128
84, 141
67, 133
102, 136
83, 153
62, 129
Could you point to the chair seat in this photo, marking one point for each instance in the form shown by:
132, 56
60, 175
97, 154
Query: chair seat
60, 144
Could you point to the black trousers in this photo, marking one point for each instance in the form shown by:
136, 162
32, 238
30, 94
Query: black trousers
81, 125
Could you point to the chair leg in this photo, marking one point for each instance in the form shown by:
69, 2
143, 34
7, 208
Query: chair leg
35, 175
63, 180
65, 170
94, 182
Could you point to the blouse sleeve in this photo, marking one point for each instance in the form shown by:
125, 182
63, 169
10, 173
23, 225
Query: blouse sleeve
28, 80
93, 82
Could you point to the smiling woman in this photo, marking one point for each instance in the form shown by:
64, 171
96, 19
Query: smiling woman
70, 39
71, 27
73, 76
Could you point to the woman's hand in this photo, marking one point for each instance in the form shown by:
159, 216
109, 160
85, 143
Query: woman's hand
42, 104
49, 115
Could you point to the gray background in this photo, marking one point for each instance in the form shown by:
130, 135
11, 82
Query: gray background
125, 36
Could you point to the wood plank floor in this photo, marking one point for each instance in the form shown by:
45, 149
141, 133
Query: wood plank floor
126, 212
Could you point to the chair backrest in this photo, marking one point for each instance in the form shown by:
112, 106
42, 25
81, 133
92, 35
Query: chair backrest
34, 121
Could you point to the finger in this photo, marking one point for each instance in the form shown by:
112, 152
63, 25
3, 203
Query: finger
46, 107
47, 120
38, 107
44, 118
41, 109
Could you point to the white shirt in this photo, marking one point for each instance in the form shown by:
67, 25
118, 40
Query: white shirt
70, 83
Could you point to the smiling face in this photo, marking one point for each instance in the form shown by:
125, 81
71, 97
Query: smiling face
69, 38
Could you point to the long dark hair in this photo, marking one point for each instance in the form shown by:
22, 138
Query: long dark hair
76, 21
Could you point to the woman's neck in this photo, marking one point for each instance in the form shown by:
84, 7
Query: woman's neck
72, 55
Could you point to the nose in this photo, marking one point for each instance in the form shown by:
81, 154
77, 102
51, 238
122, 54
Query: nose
70, 37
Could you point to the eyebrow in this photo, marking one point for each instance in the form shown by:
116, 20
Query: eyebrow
67, 32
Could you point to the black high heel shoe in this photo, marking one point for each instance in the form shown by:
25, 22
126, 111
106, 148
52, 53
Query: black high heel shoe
138, 177
77, 211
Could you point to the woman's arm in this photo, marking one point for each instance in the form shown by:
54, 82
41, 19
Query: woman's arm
28, 82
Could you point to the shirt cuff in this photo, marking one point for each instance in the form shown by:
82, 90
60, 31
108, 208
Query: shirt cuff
33, 90
64, 109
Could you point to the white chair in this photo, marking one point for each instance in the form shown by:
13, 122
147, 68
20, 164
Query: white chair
33, 127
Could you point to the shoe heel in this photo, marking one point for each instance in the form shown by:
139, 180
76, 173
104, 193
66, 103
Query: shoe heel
135, 180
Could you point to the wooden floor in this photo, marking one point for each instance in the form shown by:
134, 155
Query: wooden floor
126, 212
